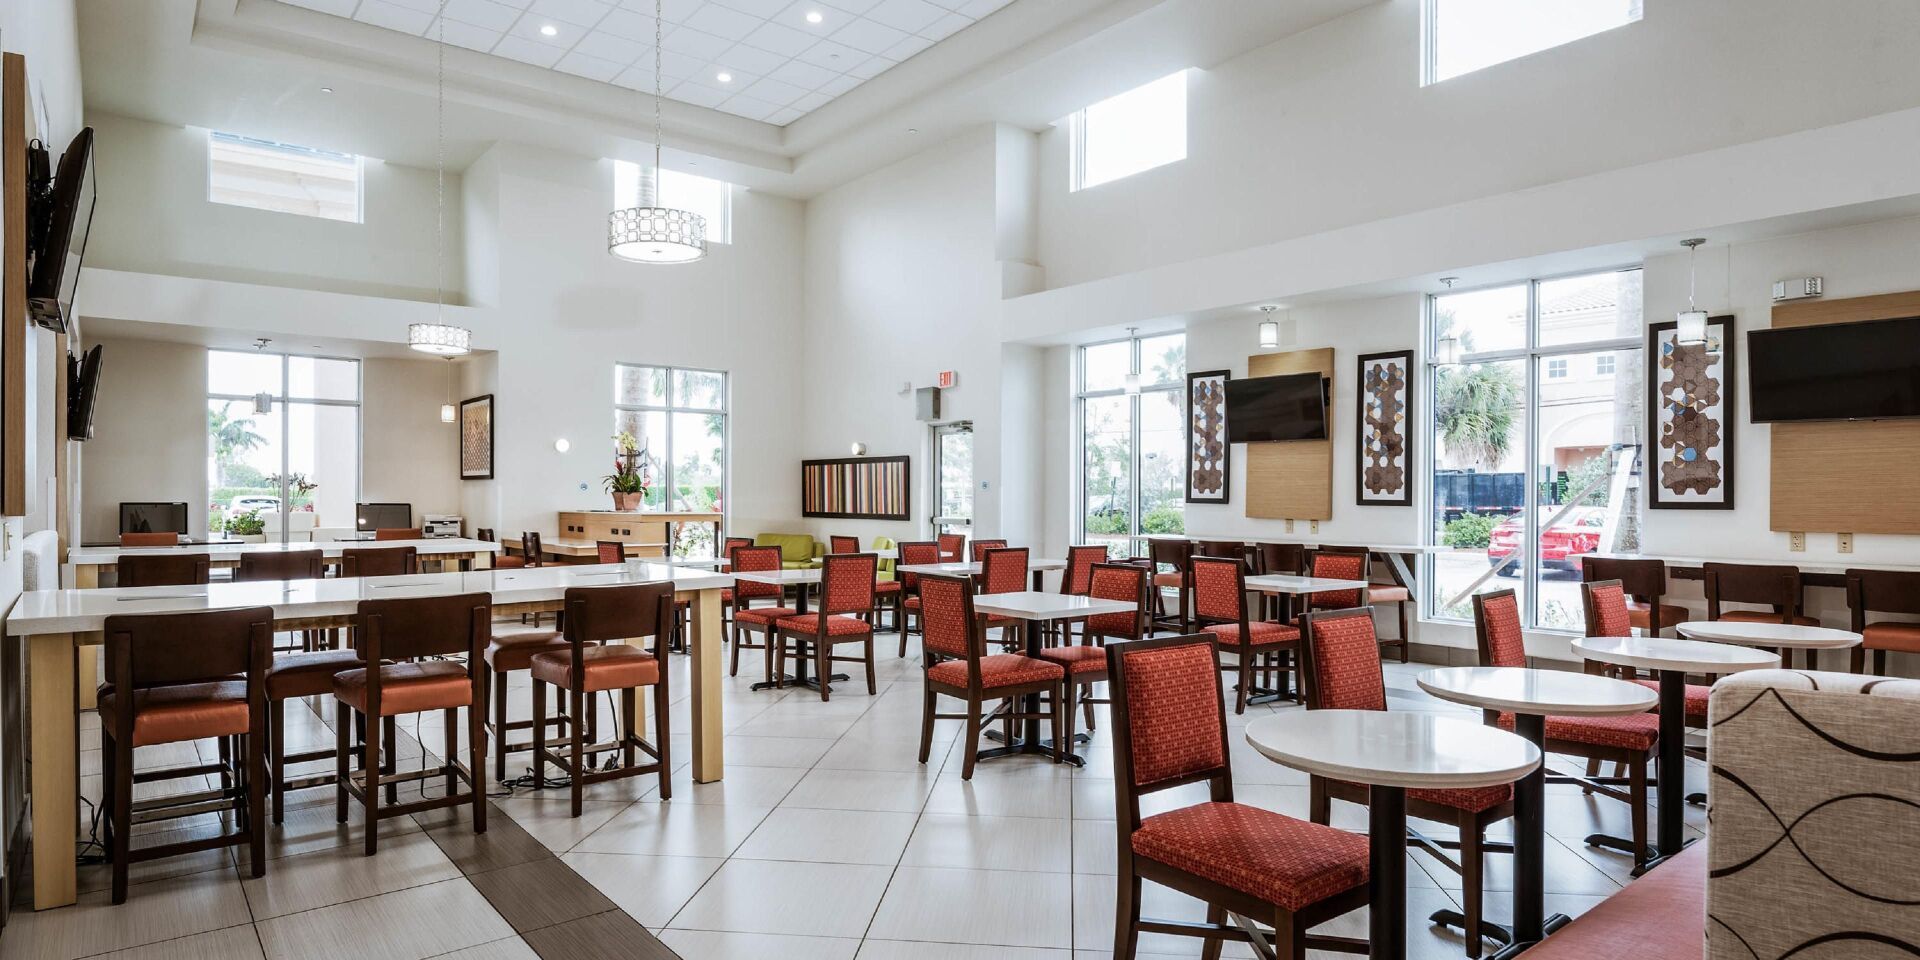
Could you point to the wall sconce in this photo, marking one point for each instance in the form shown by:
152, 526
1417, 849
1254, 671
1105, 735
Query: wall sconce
1269, 328
561, 445
859, 449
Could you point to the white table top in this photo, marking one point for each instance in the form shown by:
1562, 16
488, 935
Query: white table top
963, 569
1310, 543
1784, 635
1806, 566
781, 577
1408, 749
1287, 583
1043, 605
1662, 653
232, 551
1546, 692
76, 611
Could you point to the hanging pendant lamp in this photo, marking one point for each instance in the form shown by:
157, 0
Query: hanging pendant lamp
649, 232
439, 337
1690, 326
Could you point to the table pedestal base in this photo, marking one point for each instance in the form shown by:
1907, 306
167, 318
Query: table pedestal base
1039, 748
1517, 948
1387, 841
789, 680
1489, 930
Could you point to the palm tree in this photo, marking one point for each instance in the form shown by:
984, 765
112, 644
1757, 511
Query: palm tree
1474, 404
231, 437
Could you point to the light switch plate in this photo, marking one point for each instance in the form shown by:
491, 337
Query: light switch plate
1289, 526
1846, 543
1313, 526
1797, 542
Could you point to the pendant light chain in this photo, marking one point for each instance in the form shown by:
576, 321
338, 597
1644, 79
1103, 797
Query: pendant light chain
439, 337
658, 16
651, 231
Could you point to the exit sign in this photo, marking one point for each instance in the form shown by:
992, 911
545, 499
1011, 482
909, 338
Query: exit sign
948, 378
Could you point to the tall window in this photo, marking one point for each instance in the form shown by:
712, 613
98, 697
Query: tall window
283, 443
679, 418
1467, 35
1531, 468
282, 177
1132, 440
712, 199
1120, 136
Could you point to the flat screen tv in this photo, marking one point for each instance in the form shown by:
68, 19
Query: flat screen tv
153, 518
1842, 371
56, 264
1268, 409
383, 516
83, 386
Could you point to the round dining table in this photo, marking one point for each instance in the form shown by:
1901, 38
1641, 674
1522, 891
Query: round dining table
1532, 696
1392, 753
1772, 636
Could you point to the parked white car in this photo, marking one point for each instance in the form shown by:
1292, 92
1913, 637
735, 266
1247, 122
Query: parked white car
246, 502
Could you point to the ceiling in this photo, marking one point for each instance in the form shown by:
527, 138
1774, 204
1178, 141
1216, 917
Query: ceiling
769, 60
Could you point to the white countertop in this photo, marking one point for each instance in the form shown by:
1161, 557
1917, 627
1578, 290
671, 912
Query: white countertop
1663, 653
781, 577
1783, 635
1310, 543
1409, 749
964, 569
1806, 566
232, 551
77, 611
1287, 583
1545, 692
1044, 605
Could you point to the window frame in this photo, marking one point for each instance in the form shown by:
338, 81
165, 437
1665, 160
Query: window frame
1557, 368
1077, 136
1133, 537
1534, 357
359, 177
283, 403
669, 408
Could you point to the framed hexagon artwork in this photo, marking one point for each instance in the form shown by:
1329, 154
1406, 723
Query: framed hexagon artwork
1689, 396
1384, 474
1209, 455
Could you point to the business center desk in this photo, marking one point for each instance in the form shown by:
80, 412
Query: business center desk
56, 624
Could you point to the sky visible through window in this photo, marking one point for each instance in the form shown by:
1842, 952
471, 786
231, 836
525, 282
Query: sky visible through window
283, 177
1468, 35
1120, 136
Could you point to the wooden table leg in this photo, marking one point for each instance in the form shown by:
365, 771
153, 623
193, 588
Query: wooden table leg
86, 576
707, 656
54, 763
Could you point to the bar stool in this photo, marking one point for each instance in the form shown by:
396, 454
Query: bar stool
958, 666
167, 539
599, 658
378, 561
176, 678
500, 561
169, 570
399, 533
508, 654
1173, 554
408, 629
294, 676
1644, 581
1775, 585
751, 559
286, 565
1220, 609
1888, 592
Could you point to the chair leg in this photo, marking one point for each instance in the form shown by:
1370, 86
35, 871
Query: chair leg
663, 737
1062, 712
1859, 664
499, 698
973, 740
629, 712
1593, 770
257, 799
926, 725
370, 762
540, 734
450, 722
1471, 864
122, 817
1406, 642
390, 733
873, 687
823, 666
1246, 680
277, 753
578, 754
476, 765
1210, 946
1126, 917
733, 669
1086, 703
343, 718
1319, 805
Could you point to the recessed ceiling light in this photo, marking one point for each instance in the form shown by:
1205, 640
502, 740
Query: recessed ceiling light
913, 129
813, 16
326, 89
723, 77
549, 30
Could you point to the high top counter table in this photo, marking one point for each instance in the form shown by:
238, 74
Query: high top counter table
54, 624
87, 562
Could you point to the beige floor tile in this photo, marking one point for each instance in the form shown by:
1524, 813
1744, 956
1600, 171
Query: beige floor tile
232, 943
512, 948
340, 874
675, 829
742, 786
1001, 796
548, 816
652, 889
161, 910
779, 897
772, 751
892, 791
911, 950
404, 925
875, 752
713, 945
830, 836
991, 843
950, 906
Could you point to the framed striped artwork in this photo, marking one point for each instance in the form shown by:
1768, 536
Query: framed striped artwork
860, 488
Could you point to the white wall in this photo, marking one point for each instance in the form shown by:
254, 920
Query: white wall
154, 217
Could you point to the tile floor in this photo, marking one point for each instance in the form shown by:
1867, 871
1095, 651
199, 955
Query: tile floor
827, 840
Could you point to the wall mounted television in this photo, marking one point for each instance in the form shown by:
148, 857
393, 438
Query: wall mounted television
55, 277
1273, 409
1868, 370
83, 387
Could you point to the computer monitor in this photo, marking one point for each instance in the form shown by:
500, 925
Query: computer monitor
382, 516
153, 518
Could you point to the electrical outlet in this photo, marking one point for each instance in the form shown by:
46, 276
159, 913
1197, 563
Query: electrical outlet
583, 485
1289, 526
1313, 526
1797, 542
1846, 543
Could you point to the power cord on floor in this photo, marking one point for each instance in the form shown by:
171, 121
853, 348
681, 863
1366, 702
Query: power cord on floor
528, 781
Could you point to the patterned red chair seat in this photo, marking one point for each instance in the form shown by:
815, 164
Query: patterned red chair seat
726, 594
886, 586
837, 626
1265, 633
763, 614
998, 670
1078, 659
1264, 854
1633, 731
1696, 697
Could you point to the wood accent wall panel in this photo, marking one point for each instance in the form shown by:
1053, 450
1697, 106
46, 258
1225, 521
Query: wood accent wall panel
1293, 480
1849, 476
626, 528
13, 303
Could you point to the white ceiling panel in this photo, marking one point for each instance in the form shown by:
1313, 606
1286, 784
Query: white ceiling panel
783, 64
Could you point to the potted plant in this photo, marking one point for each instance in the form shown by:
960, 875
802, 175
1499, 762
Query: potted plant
301, 488
247, 526
628, 482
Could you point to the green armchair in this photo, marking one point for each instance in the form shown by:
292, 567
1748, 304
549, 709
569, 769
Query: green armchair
798, 551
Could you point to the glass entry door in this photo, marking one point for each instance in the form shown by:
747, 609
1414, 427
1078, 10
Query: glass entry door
953, 478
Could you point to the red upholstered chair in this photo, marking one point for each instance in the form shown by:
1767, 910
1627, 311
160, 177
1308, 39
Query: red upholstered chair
843, 544
390, 633
1220, 609
167, 539
1003, 570
169, 570
286, 565
1340, 668
609, 551
399, 533
980, 548
177, 678
1170, 731
378, 562
958, 666
1086, 663
1074, 580
1381, 592
952, 546
500, 560
1282, 558
1886, 591
602, 624
1629, 740
1608, 615
913, 553
726, 550
1170, 573
1339, 563
746, 616
1644, 580
844, 615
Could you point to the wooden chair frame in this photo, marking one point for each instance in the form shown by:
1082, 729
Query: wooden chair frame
976, 694
1244, 651
577, 763
825, 643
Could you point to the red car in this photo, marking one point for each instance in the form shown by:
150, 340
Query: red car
1576, 533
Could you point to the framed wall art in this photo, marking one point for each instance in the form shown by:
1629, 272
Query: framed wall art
1209, 455
476, 438
863, 488
1384, 474
1689, 408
